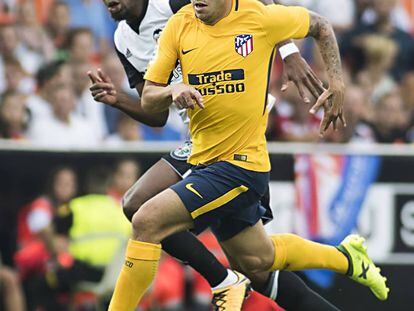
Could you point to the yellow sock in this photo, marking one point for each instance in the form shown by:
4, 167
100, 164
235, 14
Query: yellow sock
137, 274
294, 253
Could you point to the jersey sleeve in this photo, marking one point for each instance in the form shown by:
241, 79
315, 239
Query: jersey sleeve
166, 57
133, 75
285, 22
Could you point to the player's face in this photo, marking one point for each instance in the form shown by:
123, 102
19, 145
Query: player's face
125, 9
211, 11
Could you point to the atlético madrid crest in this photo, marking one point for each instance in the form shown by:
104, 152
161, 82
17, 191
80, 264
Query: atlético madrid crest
244, 44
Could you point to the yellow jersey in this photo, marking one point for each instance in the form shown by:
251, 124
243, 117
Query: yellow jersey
229, 63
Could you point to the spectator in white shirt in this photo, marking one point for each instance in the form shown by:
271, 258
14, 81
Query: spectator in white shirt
63, 128
10, 44
86, 107
16, 78
48, 78
31, 32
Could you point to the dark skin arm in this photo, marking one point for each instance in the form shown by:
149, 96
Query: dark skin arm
158, 97
104, 91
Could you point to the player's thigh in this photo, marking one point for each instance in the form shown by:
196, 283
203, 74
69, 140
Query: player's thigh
252, 249
157, 178
160, 217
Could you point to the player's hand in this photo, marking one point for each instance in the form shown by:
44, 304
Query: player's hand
102, 89
296, 70
332, 101
185, 96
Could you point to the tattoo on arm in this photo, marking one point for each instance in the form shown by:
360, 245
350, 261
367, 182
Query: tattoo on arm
321, 30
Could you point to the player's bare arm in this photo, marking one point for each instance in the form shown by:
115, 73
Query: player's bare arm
157, 98
296, 70
104, 91
333, 98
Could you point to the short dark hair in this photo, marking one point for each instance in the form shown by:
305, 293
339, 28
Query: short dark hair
48, 71
52, 175
74, 33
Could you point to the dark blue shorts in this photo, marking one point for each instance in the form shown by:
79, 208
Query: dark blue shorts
224, 197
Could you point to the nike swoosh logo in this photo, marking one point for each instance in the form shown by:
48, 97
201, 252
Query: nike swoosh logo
187, 51
190, 187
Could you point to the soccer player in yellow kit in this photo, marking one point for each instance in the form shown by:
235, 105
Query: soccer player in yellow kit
225, 48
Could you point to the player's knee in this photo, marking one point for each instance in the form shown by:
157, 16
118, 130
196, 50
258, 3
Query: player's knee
132, 201
146, 227
254, 264
142, 226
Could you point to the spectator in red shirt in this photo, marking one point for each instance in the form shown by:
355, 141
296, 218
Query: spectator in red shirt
35, 233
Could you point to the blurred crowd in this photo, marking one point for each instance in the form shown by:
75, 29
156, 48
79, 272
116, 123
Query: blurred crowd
47, 46
63, 261
69, 247
376, 43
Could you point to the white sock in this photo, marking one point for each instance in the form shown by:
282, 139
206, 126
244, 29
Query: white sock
230, 279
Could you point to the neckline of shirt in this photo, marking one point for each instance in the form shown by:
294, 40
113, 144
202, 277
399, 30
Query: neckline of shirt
137, 23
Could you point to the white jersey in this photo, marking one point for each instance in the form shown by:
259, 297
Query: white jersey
136, 42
